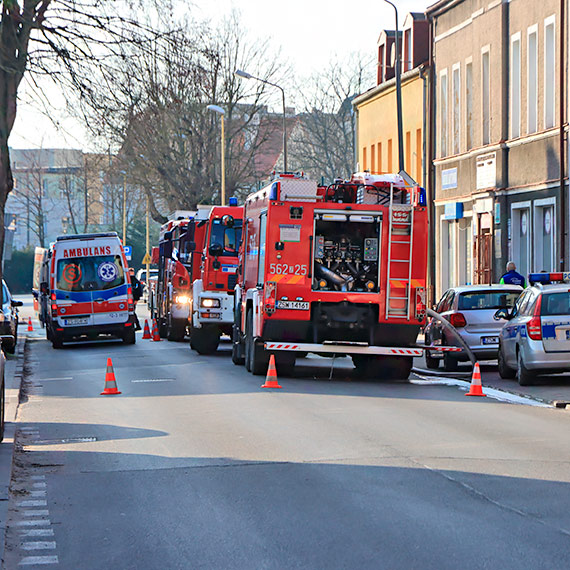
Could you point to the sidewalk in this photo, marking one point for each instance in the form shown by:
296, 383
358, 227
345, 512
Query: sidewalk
13, 373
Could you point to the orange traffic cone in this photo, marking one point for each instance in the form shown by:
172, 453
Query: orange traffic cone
476, 389
155, 335
110, 382
30, 325
271, 378
146, 332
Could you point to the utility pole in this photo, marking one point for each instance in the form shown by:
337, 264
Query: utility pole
124, 209
147, 256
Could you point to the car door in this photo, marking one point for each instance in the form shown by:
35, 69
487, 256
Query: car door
510, 334
555, 321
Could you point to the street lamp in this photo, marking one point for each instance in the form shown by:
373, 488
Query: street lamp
246, 75
221, 112
398, 92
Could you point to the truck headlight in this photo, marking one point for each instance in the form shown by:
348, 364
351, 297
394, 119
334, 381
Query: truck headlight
182, 299
210, 303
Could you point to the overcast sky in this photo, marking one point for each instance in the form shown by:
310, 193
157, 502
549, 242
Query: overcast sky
309, 33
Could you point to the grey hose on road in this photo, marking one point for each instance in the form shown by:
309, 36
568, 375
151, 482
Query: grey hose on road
447, 325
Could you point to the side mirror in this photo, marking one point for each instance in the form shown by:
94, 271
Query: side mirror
17, 303
228, 221
216, 249
502, 314
44, 288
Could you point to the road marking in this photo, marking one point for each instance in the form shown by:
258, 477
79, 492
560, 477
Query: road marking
41, 485
490, 392
36, 494
38, 545
32, 504
36, 532
35, 522
30, 560
61, 378
36, 513
151, 380
38, 477
68, 440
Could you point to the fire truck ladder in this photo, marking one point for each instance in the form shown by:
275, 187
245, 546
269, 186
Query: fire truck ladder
400, 248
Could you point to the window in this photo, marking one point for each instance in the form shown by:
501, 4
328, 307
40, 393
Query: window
228, 237
419, 156
456, 89
544, 234
373, 159
532, 80
486, 95
408, 151
261, 259
407, 49
364, 160
478, 300
380, 76
443, 112
549, 73
469, 104
515, 86
390, 155
379, 148
521, 230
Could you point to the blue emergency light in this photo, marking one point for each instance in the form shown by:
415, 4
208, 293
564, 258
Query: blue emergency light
422, 198
233, 201
548, 277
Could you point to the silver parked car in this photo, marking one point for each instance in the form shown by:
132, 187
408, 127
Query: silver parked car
536, 338
470, 309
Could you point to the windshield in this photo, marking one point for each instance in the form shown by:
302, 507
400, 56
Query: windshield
228, 238
555, 304
96, 273
487, 300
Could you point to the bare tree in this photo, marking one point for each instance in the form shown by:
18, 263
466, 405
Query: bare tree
323, 142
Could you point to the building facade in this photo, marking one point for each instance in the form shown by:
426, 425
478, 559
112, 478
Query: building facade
498, 154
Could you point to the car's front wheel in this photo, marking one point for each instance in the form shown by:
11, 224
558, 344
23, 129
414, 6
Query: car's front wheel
525, 377
504, 371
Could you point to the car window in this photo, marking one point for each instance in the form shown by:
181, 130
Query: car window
445, 302
529, 302
521, 302
441, 303
95, 273
555, 304
471, 301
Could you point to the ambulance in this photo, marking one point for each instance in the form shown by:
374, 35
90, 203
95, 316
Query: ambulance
89, 289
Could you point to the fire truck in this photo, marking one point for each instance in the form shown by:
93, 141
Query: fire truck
336, 270
179, 260
212, 293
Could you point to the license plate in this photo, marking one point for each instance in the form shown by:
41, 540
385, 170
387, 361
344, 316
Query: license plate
295, 305
84, 321
490, 340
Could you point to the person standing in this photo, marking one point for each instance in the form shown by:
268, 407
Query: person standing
137, 289
511, 277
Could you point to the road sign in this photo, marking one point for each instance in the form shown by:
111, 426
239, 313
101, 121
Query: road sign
146, 259
128, 251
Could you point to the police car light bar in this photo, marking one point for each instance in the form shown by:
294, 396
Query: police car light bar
549, 277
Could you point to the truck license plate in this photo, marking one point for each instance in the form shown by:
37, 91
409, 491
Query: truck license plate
296, 305
84, 321
490, 340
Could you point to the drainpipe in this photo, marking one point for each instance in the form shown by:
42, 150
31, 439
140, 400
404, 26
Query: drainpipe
430, 188
562, 153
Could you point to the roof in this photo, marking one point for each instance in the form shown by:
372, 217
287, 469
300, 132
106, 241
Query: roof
484, 288
440, 6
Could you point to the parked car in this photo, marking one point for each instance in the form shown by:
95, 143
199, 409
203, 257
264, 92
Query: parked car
2, 395
9, 320
536, 337
470, 309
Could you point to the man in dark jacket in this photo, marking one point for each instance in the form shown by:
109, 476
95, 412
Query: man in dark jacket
137, 289
511, 277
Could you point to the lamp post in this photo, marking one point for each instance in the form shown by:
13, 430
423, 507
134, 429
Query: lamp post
398, 92
221, 112
246, 75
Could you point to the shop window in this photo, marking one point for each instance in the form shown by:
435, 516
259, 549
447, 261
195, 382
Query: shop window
521, 229
544, 235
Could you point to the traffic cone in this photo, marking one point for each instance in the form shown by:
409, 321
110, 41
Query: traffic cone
30, 325
476, 389
155, 335
146, 332
110, 382
271, 378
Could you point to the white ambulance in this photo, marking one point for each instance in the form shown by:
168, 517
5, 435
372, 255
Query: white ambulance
89, 289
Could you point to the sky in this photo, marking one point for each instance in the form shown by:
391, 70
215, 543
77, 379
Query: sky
308, 32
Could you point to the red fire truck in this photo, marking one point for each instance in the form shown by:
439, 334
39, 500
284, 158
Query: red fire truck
179, 261
337, 270
212, 301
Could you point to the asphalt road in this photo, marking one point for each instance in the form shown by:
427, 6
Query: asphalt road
195, 466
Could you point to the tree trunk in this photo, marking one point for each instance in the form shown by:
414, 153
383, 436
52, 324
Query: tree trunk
6, 185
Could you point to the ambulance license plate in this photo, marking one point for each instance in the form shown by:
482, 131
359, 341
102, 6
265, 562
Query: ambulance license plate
490, 340
84, 321
295, 305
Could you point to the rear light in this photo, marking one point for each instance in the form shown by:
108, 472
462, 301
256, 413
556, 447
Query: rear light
457, 320
420, 303
270, 297
533, 327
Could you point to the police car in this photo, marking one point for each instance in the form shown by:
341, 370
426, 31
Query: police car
536, 338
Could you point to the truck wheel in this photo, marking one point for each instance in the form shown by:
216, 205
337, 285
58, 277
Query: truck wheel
206, 339
450, 363
256, 357
176, 330
431, 362
129, 337
366, 366
398, 367
162, 328
9, 346
285, 365
237, 348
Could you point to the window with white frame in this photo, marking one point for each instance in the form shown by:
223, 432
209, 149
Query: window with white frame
486, 95
521, 230
456, 90
443, 112
448, 252
544, 235
532, 79
465, 250
515, 86
469, 104
549, 72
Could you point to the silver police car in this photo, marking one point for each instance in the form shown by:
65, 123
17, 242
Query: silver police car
536, 338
